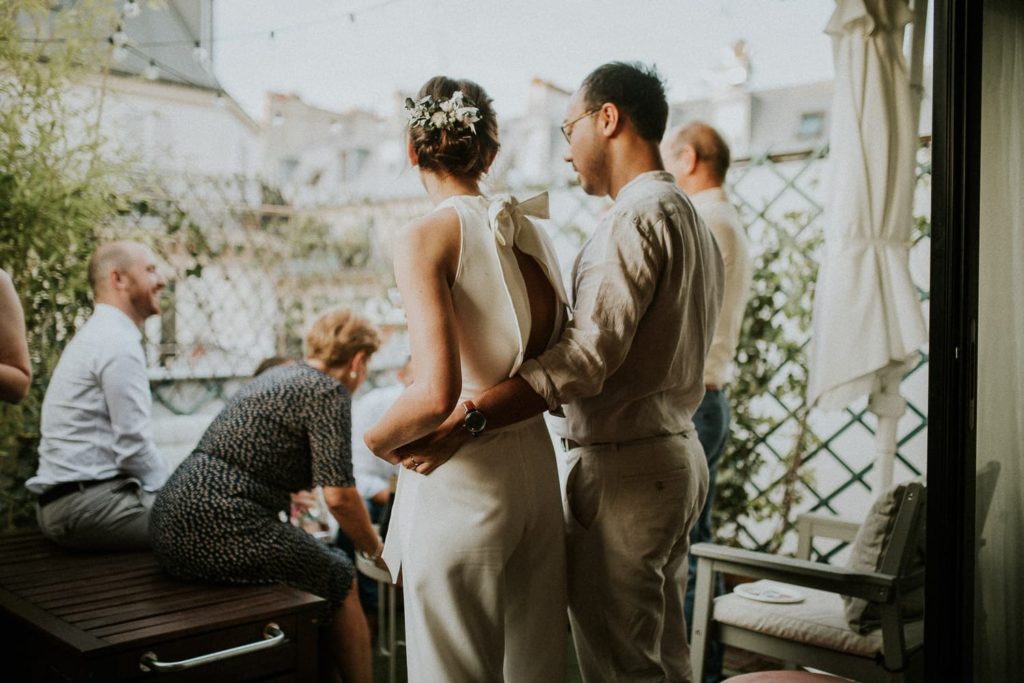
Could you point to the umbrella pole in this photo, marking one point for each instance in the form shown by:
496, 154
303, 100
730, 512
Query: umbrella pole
888, 405
885, 453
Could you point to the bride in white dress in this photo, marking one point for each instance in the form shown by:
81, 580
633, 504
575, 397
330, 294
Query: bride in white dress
479, 539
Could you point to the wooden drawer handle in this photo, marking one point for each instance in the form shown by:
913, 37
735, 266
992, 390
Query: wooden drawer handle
272, 637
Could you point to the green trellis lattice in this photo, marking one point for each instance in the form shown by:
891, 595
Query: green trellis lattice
785, 460
780, 461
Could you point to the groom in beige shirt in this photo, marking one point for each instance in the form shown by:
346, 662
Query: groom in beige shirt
629, 371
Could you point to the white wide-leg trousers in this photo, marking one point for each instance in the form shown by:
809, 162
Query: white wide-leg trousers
482, 551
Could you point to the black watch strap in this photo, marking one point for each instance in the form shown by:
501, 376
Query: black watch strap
474, 422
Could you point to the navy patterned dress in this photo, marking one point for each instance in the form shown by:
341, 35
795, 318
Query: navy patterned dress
218, 516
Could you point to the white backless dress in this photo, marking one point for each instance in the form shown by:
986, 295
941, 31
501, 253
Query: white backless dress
480, 541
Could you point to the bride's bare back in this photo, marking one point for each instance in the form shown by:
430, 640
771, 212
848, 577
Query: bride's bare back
543, 305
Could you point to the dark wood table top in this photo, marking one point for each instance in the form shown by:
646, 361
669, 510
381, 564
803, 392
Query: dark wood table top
102, 602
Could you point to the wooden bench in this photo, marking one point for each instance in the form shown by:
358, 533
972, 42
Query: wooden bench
71, 616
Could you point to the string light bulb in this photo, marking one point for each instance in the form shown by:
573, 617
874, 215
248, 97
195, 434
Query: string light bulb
130, 9
151, 72
119, 52
200, 54
277, 119
335, 127
222, 101
120, 38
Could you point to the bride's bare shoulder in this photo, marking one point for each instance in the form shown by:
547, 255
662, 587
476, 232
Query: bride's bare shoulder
433, 237
445, 218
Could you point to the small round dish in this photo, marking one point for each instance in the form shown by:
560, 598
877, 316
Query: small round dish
769, 591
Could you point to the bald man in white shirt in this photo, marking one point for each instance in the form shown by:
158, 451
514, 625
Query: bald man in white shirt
698, 156
98, 467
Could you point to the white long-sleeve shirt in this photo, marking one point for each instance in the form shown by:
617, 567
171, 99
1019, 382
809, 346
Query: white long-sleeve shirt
96, 412
724, 223
373, 474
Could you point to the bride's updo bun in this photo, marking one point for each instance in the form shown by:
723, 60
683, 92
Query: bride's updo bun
460, 146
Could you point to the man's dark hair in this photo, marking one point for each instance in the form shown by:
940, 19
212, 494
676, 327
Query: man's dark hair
638, 92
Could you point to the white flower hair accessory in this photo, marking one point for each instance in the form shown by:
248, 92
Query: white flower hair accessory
444, 114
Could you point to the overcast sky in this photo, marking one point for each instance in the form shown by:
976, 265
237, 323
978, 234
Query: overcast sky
340, 54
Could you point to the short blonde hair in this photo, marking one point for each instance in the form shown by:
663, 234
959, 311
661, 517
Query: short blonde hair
338, 335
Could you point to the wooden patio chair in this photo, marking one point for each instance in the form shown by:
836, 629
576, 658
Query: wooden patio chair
817, 631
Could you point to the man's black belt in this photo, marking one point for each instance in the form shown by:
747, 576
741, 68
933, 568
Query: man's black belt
58, 491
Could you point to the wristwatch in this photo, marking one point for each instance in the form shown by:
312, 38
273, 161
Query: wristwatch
474, 421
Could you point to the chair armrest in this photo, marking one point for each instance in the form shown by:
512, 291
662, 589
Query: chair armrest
871, 586
828, 526
811, 525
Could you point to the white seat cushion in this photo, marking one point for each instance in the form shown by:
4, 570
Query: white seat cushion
818, 620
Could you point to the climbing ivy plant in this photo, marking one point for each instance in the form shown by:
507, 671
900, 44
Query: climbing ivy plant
768, 393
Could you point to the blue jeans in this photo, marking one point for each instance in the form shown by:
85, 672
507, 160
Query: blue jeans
712, 423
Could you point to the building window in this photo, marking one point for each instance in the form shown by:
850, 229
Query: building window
812, 124
357, 160
343, 165
285, 168
350, 163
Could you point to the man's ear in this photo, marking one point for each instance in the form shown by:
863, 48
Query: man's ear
688, 159
609, 120
115, 279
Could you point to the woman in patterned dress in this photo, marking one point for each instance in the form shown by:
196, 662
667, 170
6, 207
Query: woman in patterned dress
218, 516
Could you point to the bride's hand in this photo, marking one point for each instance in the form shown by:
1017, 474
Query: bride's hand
427, 454
426, 461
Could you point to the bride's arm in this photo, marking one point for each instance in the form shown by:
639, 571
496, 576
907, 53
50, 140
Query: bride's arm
426, 259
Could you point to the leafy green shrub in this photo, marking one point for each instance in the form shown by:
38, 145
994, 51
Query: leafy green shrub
770, 377
57, 191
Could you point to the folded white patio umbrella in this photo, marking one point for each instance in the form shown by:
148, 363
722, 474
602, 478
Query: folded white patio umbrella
867, 320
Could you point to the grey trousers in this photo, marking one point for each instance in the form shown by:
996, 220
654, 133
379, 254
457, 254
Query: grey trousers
630, 508
113, 515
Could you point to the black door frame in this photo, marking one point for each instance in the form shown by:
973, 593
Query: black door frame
952, 376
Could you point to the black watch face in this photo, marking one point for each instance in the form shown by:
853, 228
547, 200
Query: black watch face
475, 421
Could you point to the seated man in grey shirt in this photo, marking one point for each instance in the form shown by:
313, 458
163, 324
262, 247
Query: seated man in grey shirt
98, 467
629, 370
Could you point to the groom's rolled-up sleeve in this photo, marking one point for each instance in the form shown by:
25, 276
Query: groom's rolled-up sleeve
614, 280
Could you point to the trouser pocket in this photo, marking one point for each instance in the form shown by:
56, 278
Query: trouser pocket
583, 492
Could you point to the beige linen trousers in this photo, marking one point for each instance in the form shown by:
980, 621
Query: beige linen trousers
630, 508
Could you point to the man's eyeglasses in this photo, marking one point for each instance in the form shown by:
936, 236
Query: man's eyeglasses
567, 127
